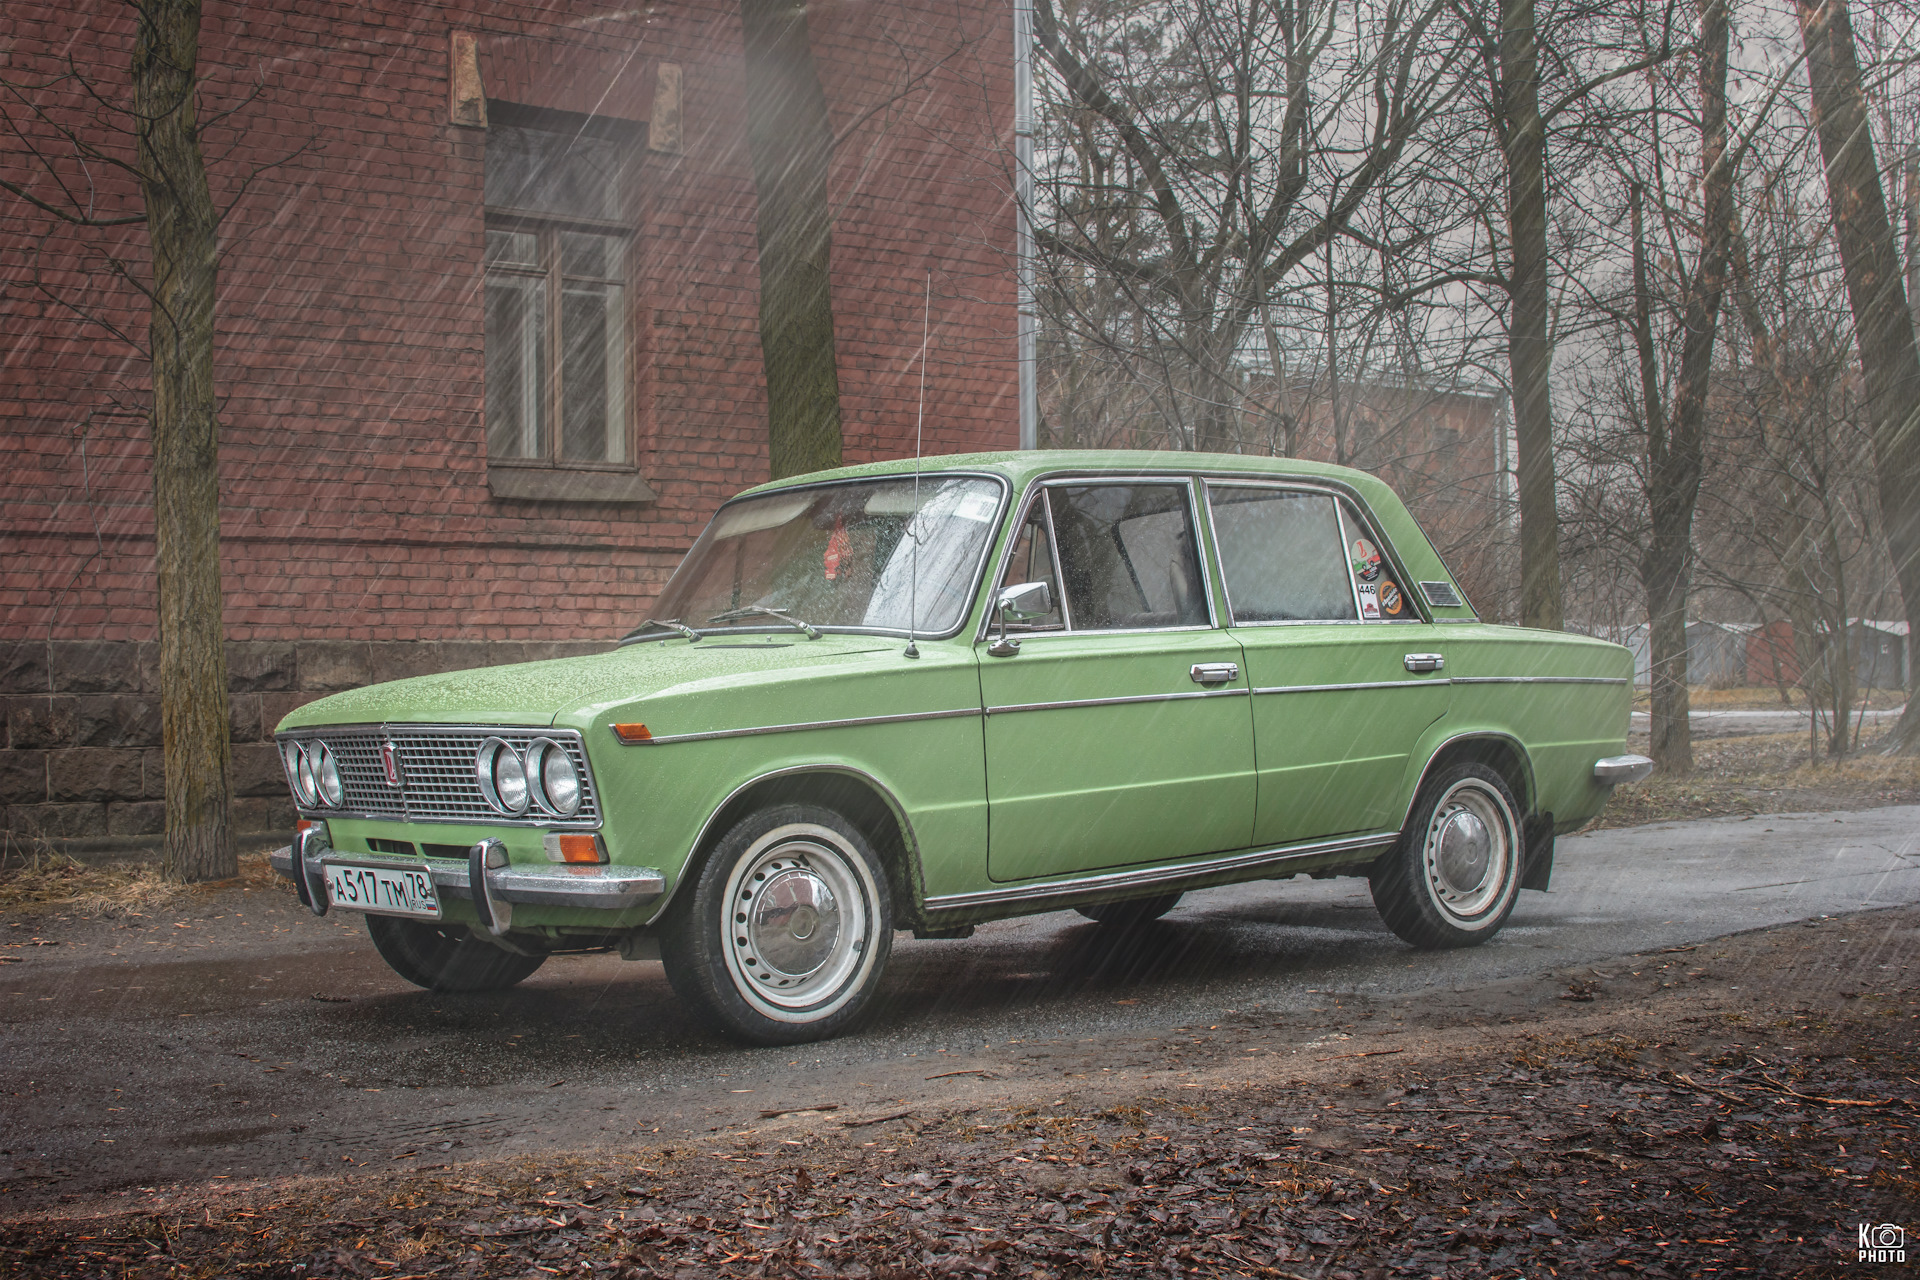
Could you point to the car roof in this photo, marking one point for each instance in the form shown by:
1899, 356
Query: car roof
1020, 466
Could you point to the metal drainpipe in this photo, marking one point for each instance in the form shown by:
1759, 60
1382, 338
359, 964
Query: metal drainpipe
1023, 225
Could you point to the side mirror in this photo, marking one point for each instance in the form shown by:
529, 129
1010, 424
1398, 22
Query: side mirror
1021, 602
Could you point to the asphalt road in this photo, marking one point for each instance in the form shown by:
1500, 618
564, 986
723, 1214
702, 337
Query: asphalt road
249, 1039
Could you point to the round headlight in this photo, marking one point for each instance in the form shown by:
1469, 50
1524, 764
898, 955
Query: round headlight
326, 774
304, 782
558, 780
502, 777
290, 758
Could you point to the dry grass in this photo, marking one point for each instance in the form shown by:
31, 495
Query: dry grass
46, 881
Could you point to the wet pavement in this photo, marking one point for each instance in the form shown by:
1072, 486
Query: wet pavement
250, 1039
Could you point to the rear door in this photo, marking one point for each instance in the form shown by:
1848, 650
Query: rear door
1344, 673
1119, 732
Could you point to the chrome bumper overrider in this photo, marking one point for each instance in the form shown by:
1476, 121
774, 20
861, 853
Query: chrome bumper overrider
601, 888
1618, 769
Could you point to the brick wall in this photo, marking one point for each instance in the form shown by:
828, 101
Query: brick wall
80, 751
355, 505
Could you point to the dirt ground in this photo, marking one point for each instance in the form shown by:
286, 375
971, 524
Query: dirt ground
1741, 1106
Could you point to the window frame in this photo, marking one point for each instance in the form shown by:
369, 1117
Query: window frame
1343, 502
1036, 492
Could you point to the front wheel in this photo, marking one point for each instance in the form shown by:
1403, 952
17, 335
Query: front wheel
446, 957
1452, 879
784, 934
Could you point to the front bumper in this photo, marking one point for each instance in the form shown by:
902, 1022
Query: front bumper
596, 888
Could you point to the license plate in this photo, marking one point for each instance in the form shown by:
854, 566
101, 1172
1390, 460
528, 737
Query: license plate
392, 891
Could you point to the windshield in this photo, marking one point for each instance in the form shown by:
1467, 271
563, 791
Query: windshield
840, 556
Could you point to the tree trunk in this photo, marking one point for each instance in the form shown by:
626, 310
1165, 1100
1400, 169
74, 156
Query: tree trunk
1676, 441
1883, 325
1530, 351
790, 139
182, 232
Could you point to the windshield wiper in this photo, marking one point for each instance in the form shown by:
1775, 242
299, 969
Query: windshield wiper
748, 611
663, 624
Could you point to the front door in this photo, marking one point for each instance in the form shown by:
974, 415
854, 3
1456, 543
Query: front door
1340, 664
1120, 732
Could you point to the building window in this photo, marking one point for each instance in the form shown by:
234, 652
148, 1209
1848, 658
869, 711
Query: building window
556, 296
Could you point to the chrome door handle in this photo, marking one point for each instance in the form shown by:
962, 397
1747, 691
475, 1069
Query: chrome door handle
1214, 672
1425, 662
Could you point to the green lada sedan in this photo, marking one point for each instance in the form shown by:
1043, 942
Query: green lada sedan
920, 697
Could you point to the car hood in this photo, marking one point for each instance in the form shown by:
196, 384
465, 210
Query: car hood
540, 693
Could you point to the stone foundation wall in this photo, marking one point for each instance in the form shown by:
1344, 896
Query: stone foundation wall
80, 762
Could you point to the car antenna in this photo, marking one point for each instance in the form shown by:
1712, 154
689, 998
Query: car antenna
919, 423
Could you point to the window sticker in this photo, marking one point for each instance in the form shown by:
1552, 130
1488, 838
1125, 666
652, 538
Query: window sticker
1369, 602
978, 506
1391, 601
1366, 560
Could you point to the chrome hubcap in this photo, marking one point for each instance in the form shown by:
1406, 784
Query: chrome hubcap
1469, 853
793, 923
1466, 850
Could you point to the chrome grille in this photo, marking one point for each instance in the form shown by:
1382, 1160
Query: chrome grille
437, 782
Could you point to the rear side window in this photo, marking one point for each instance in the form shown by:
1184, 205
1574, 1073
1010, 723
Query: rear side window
1127, 554
1282, 555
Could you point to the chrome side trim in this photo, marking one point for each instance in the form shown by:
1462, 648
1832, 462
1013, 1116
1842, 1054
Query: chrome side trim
1617, 769
904, 718
1342, 688
1010, 708
1539, 680
1081, 885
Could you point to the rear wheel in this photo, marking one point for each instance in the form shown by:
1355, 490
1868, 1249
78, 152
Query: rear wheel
446, 957
786, 931
1132, 911
1452, 879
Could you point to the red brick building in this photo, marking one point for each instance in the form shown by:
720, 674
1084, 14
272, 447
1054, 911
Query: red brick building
487, 340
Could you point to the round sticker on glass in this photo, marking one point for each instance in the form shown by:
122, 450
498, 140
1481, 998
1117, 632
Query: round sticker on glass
1391, 601
1366, 560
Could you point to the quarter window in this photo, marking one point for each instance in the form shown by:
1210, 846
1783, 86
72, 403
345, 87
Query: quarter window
556, 303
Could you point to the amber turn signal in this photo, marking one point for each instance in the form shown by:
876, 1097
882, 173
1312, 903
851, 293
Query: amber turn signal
567, 846
632, 733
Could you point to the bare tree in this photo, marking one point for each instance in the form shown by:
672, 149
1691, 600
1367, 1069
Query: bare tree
182, 227
1201, 156
1676, 434
1883, 324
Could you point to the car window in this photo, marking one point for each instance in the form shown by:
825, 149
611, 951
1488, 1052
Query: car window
1127, 553
1280, 555
1032, 561
1382, 599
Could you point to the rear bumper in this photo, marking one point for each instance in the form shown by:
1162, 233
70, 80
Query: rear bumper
1617, 769
595, 888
